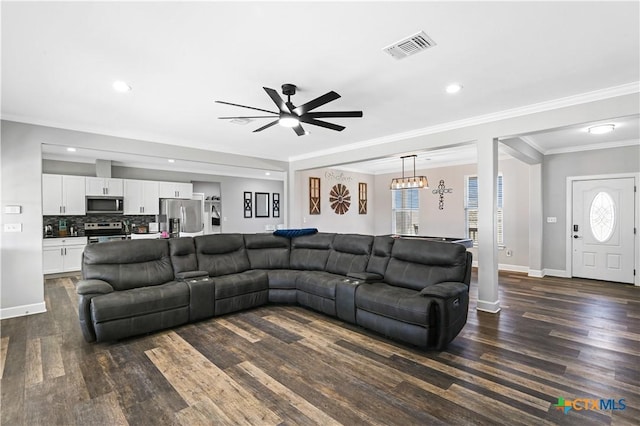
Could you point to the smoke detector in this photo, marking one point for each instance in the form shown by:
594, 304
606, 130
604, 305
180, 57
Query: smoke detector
410, 45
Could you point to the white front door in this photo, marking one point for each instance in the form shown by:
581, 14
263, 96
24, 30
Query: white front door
603, 229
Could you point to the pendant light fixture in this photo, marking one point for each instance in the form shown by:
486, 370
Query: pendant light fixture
409, 182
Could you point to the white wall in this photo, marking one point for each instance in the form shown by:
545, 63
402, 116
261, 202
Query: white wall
556, 169
328, 220
21, 286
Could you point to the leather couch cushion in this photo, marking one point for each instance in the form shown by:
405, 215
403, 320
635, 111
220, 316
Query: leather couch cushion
239, 284
416, 264
183, 255
221, 254
349, 253
319, 283
380, 254
310, 252
393, 302
128, 264
267, 251
139, 301
283, 278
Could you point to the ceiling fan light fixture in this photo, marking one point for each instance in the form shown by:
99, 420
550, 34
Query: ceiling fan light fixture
409, 182
601, 129
288, 121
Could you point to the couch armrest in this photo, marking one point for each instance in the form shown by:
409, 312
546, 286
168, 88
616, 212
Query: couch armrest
367, 277
93, 287
183, 276
448, 310
445, 290
87, 290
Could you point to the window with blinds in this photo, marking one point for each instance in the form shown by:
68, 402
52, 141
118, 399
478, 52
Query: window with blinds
405, 209
471, 208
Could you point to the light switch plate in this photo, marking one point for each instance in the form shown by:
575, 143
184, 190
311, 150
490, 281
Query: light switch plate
12, 209
12, 227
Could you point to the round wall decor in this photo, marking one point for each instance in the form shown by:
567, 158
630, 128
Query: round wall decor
340, 199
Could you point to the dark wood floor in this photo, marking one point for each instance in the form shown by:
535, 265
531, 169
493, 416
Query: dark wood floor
554, 338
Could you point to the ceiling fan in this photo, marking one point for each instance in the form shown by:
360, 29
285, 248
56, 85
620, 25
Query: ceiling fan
292, 116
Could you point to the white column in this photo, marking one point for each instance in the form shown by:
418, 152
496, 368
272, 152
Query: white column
487, 225
535, 220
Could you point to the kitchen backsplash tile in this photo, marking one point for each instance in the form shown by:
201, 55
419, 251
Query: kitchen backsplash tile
78, 221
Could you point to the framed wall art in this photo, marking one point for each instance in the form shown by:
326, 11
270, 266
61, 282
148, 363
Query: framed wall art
314, 195
275, 201
362, 198
248, 205
262, 204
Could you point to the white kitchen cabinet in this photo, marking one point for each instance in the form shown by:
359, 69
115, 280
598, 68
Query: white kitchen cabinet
62, 254
63, 195
141, 197
104, 186
176, 190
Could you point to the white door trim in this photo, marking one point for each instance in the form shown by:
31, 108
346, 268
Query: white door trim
569, 219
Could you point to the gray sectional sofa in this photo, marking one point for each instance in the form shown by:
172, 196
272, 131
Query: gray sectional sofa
414, 291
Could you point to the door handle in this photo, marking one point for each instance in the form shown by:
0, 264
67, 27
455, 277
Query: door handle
577, 236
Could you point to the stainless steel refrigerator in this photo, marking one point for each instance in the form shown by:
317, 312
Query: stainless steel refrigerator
188, 211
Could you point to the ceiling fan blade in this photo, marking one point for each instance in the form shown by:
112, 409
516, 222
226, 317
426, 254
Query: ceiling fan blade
266, 126
315, 103
246, 116
334, 114
277, 99
244, 106
310, 120
299, 130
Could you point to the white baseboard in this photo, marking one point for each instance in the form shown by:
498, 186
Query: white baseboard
556, 273
491, 307
536, 273
19, 311
506, 267
513, 268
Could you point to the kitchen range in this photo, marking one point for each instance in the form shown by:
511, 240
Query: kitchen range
100, 232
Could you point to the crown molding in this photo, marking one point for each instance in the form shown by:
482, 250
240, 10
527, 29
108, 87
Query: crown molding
596, 95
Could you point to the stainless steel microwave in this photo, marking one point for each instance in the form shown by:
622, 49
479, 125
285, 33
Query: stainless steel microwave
98, 204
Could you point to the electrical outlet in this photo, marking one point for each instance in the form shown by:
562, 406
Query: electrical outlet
12, 227
552, 219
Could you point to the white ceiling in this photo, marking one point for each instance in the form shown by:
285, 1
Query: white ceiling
59, 60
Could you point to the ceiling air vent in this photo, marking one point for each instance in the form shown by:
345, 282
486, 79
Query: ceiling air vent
410, 45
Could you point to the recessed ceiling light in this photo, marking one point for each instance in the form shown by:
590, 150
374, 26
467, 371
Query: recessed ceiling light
602, 128
454, 88
71, 149
171, 160
267, 173
121, 86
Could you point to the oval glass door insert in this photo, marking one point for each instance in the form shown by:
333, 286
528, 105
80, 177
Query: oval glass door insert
602, 216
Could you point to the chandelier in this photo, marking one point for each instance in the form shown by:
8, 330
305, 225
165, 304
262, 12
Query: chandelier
409, 182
